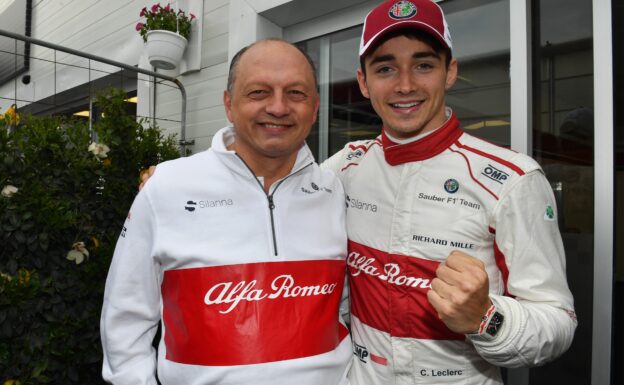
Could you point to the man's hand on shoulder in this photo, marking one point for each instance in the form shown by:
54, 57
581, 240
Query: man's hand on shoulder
460, 292
144, 175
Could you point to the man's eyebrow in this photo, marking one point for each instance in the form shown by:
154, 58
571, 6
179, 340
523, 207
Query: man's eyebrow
417, 55
382, 58
425, 54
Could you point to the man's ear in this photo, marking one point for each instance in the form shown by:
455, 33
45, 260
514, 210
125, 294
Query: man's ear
227, 103
361, 78
451, 74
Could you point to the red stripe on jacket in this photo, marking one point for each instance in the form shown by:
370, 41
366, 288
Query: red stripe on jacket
252, 313
389, 293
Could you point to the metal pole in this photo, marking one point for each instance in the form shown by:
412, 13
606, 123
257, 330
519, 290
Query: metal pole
183, 142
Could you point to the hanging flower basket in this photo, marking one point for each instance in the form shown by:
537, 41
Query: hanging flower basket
166, 32
165, 48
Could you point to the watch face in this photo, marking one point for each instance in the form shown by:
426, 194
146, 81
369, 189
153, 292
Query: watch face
495, 323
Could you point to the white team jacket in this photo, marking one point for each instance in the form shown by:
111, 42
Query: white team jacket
409, 206
248, 293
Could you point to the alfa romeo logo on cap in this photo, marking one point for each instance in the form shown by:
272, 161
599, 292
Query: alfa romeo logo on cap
402, 10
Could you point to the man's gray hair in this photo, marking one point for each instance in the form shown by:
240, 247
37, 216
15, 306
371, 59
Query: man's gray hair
236, 59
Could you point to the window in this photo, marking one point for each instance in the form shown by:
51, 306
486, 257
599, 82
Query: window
563, 139
480, 97
15, 17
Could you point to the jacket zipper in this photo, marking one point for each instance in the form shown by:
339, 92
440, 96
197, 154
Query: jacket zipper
270, 196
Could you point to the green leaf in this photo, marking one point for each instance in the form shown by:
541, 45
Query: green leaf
39, 368
13, 219
27, 226
8, 160
20, 237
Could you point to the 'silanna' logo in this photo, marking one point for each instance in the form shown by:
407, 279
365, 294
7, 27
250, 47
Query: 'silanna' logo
451, 186
402, 10
190, 206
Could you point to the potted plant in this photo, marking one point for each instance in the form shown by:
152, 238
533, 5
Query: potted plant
165, 32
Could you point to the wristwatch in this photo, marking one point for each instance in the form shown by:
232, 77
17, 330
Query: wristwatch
496, 321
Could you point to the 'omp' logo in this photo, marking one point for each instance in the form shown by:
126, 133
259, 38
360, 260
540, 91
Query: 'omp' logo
360, 351
495, 174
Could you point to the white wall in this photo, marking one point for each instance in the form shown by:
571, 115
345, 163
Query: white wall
107, 29
104, 28
205, 113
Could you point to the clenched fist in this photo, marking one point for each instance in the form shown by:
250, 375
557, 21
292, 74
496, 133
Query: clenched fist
460, 292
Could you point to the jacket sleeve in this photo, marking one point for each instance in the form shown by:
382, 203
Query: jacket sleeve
131, 308
539, 319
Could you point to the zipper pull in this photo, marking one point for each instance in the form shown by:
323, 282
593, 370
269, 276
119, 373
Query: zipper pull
271, 204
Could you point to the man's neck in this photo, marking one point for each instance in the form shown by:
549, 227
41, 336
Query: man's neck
270, 169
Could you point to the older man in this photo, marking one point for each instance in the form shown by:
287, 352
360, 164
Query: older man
228, 249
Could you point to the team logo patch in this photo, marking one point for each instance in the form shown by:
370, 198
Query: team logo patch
402, 10
315, 188
451, 186
549, 213
356, 154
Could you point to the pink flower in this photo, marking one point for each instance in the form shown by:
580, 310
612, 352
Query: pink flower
168, 8
155, 7
143, 12
139, 26
192, 16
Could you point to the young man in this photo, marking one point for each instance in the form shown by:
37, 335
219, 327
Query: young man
227, 248
424, 195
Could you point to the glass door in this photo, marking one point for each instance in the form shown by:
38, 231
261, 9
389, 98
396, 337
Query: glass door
480, 97
563, 138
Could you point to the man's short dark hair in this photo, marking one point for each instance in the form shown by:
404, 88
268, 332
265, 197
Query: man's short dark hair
239, 54
411, 33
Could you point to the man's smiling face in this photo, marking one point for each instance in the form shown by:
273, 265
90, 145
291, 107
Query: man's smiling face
406, 81
274, 101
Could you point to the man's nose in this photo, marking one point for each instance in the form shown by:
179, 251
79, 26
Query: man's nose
278, 105
405, 83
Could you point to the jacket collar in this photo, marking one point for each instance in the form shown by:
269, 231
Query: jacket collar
425, 148
226, 135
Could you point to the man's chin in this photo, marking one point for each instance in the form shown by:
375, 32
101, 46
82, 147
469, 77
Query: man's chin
279, 150
405, 131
